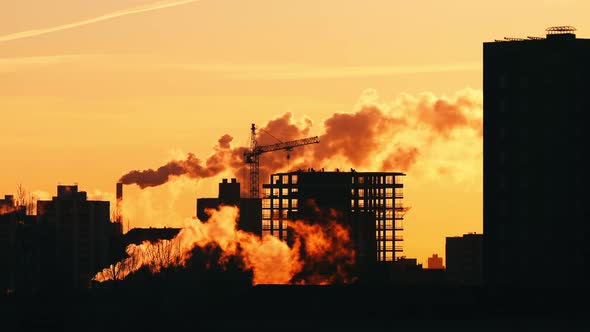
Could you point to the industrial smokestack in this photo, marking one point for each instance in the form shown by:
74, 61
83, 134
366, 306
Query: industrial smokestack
119, 200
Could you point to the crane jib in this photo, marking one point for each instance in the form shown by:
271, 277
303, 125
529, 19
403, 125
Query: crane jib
251, 156
284, 145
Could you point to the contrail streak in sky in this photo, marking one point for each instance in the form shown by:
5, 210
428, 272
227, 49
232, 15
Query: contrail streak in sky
135, 10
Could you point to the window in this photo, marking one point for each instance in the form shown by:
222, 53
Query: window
275, 224
361, 192
388, 192
294, 179
502, 133
265, 214
265, 203
501, 181
389, 203
294, 203
524, 82
275, 203
389, 235
503, 80
503, 208
388, 255
389, 179
502, 105
266, 224
285, 192
285, 179
285, 203
524, 105
275, 191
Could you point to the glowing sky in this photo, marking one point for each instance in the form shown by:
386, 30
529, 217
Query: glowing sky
90, 90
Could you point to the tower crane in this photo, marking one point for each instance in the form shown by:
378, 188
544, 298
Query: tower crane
252, 156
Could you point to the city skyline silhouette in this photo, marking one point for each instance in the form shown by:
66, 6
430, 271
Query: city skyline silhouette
254, 162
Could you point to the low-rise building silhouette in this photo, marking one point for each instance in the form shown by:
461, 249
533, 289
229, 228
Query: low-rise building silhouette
435, 262
18, 247
229, 194
464, 259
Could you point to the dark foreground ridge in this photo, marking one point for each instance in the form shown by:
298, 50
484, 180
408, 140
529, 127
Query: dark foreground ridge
297, 308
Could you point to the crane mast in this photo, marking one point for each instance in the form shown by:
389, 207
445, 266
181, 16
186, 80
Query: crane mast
252, 156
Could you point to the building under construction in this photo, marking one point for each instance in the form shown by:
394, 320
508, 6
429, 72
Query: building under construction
370, 203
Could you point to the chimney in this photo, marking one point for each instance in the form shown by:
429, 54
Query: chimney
119, 199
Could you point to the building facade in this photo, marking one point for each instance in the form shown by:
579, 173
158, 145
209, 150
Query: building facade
464, 259
75, 235
435, 262
370, 203
18, 248
536, 110
229, 194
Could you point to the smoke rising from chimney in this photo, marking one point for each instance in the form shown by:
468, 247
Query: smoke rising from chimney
395, 136
191, 166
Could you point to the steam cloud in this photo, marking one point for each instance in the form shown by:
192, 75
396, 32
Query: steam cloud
271, 260
394, 136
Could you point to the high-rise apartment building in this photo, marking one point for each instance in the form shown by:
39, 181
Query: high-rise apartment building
75, 235
536, 179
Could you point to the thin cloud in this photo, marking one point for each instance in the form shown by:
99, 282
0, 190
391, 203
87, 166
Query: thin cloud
119, 13
302, 72
18, 63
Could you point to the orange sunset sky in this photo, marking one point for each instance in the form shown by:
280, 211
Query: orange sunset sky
90, 90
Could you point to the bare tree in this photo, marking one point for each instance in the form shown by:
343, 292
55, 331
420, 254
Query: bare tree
26, 199
163, 254
120, 270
